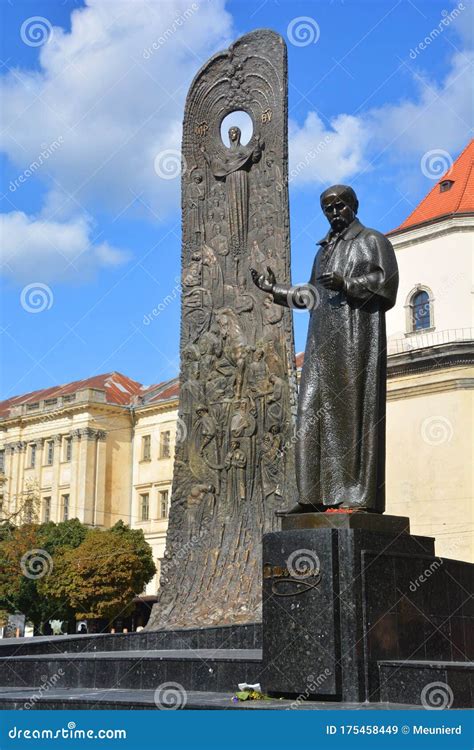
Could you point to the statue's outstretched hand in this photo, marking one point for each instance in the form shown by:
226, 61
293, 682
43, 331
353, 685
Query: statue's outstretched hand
264, 282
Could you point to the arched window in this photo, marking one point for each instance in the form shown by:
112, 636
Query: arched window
419, 310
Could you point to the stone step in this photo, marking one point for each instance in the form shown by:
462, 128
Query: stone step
222, 636
95, 699
432, 684
193, 669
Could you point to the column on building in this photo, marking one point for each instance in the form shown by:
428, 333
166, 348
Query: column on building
91, 476
75, 436
55, 492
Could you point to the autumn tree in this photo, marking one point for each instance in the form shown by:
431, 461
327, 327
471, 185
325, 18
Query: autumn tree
22, 509
27, 556
101, 577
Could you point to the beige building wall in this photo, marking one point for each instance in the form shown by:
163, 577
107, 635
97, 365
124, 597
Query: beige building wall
429, 456
153, 476
439, 258
90, 443
429, 412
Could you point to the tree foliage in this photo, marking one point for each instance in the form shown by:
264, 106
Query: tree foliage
101, 577
68, 570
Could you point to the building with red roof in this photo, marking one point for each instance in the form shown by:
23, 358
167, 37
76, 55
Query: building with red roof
431, 363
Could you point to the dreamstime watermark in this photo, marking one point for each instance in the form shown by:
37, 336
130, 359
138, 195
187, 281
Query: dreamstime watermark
303, 563
36, 297
447, 19
183, 552
172, 29
36, 31
170, 696
42, 157
311, 419
313, 686
436, 163
46, 684
302, 31
169, 164
166, 301
310, 156
436, 696
181, 431
71, 732
436, 430
36, 563
303, 297
423, 577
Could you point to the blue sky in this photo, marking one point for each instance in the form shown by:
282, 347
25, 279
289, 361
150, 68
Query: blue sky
92, 234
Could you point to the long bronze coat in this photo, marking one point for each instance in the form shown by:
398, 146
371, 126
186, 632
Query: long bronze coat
340, 448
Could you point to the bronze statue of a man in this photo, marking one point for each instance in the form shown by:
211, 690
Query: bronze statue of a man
340, 436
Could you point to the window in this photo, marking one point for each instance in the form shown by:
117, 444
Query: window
164, 503
144, 506
67, 449
165, 444
46, 509
2, 461
146, 447
445, 185
419, 310
49, 452
32, 456
65, 507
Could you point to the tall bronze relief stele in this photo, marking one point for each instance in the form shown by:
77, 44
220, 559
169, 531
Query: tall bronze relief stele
234, 463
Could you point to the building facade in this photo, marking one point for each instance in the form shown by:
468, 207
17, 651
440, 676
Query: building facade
430, 395
80, 451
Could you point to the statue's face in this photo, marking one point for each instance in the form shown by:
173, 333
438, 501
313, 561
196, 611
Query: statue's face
234, 135
337, 211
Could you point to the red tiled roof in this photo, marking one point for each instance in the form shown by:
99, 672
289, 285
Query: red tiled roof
119, 389
459, 199
164, 391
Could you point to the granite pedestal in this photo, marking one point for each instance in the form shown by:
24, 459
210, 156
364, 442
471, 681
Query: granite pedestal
350, 599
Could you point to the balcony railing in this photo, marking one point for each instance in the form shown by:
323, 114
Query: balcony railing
432, 338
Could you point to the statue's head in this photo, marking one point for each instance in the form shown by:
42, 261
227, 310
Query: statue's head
234, 134
197, 176
340, 205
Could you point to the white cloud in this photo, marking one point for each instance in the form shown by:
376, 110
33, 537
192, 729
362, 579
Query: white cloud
112, 92
38, 249
320, 154
439, 116
113, 89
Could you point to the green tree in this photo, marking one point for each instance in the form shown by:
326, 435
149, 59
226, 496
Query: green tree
101, 577
27, 557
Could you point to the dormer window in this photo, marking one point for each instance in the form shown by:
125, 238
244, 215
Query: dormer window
445, 185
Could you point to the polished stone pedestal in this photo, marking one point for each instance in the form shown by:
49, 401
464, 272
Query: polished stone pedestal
349, 599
